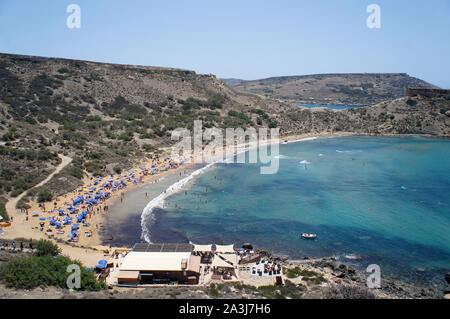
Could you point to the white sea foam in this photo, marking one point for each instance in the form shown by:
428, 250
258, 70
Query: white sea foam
352, 256
147, 217
304, 139
305, 162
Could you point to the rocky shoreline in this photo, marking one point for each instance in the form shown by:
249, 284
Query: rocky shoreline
341, 273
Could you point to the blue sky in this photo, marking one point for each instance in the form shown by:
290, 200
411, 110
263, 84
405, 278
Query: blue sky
241, 39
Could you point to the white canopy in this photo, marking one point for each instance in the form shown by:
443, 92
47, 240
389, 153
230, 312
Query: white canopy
219, 262
231, 258
203, 248
225, 248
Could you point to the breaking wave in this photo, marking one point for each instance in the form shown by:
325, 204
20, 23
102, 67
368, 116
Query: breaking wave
148, 218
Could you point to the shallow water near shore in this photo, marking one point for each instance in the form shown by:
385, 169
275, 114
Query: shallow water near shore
122, 226
383, 200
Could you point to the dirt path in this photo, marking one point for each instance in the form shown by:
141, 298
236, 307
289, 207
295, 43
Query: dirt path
11, 204
18, 229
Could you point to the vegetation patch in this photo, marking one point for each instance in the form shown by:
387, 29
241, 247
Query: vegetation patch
44, 195
307, 275
45, 268
3, 212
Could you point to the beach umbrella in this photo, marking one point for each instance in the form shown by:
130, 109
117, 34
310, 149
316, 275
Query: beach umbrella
100, 266
70, 235
102, 262
42, 218
61, 211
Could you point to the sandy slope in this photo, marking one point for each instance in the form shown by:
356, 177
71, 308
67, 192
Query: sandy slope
19, 230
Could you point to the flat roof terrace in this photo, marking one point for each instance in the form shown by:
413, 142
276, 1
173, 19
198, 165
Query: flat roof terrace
144, 247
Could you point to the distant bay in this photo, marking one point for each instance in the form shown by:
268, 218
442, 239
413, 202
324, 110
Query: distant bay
334, 107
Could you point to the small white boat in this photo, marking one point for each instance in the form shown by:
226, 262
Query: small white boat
285, 142
309, 236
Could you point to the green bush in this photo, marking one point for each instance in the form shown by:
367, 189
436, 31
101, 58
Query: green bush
273, 124
270, 292
76, 172
7, 174
148, 147
63, 70
44, 196
3, 209
411, 102
117, 170
46, 248
42, 271
295, 272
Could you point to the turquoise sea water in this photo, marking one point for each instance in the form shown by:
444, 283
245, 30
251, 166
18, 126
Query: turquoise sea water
383, 198
335, 107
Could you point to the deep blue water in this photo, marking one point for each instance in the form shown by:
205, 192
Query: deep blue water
335, 107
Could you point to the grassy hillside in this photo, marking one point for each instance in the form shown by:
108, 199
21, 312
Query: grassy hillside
336, 89
109, 117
